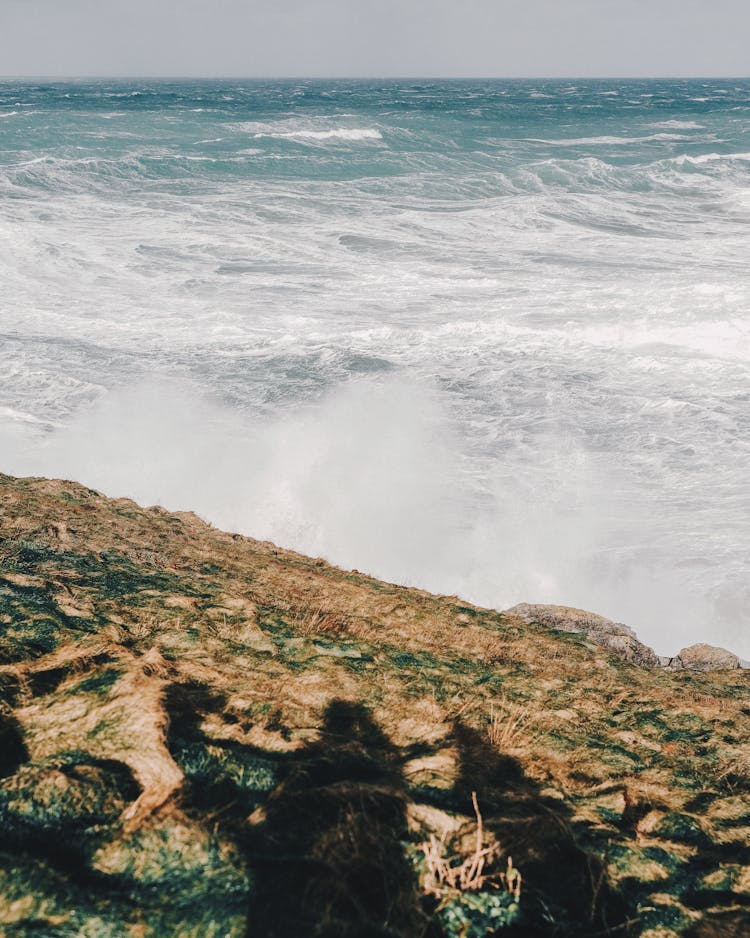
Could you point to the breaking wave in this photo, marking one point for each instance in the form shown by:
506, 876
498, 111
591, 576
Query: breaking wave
504, 355
340, 133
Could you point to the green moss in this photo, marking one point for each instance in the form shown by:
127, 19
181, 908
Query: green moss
273, 619
412, 660
52, 904
56, 806
224, 766
358, 665
682, 828
663, 916
32, 638
99, 683
688, 731
668, 860
38, 899
613, 754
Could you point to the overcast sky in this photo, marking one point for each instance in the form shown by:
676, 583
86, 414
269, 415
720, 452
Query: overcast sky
375, 37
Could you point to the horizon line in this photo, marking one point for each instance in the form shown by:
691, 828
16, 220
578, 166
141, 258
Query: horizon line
207, 77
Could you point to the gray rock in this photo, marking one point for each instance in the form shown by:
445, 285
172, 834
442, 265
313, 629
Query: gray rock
703, 657
614, 636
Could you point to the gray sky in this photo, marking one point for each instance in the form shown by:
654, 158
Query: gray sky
375, 37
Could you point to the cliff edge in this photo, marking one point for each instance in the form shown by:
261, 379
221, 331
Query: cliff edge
204, 735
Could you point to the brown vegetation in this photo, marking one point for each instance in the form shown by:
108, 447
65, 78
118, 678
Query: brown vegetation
269, 742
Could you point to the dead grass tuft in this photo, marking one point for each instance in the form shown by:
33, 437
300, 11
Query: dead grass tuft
451, 872
510, 724
734, 773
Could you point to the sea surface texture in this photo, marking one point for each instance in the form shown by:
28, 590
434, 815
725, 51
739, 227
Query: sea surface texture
489, 338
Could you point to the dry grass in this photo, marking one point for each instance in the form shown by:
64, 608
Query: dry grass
451, 872
733, 773
177, 603
510, 724
322, 621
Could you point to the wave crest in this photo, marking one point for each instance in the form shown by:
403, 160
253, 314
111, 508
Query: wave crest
338, 133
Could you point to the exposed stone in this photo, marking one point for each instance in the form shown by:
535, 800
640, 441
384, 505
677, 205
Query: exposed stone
614, 636
703, 657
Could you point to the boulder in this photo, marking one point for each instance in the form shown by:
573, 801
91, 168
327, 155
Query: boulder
614, 636
703, 657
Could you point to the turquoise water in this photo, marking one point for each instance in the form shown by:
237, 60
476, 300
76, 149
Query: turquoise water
488, 337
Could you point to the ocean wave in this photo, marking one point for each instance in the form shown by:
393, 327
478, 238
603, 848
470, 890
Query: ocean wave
11, 414
702, 158
678, 125
340, 133
547, 291
607, 140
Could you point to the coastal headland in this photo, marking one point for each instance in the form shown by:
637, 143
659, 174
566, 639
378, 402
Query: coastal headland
206, 735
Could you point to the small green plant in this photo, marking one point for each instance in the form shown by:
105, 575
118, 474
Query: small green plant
477, 914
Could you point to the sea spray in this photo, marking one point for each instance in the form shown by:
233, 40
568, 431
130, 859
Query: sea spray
486, 337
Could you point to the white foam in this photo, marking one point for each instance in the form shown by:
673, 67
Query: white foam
585, 316
376, 476
340, 133
10, 414
679, 125
701, 158
607, 140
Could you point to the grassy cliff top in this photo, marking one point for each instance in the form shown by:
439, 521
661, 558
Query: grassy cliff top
204, 735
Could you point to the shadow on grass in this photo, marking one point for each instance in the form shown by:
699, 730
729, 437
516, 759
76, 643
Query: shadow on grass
565, 890
324, 842
13, 752
324, 832
329, 853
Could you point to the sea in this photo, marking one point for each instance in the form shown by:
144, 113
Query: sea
489, 338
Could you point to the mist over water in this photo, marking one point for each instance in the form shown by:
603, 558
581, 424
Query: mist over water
488, 338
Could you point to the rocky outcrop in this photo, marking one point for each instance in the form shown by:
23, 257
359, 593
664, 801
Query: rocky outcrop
703, 657
614, 636
622, 641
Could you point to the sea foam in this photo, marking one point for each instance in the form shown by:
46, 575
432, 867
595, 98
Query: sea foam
340, 133
390, 325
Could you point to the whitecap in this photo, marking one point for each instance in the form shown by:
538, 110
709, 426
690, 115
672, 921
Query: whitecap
20, 416
710, 158
606, 141
339, 133
679, 125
